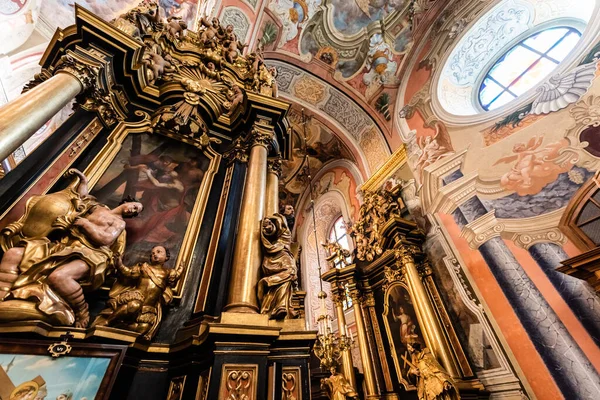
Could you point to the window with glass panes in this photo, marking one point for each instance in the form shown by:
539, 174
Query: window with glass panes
338, 234
525, 65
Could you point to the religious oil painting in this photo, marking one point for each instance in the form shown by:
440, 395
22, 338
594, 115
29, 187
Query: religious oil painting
167, 177
162, 174
402, 327
41, 377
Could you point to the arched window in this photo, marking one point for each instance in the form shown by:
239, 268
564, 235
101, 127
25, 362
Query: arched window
339, 235
525, 65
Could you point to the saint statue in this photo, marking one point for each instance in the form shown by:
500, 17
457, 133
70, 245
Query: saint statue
64, 243
136, 299
278, 269
434, 383
338, 387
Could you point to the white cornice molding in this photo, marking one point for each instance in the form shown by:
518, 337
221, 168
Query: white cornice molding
524, 232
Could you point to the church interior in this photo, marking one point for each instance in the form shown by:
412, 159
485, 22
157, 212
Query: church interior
299, 199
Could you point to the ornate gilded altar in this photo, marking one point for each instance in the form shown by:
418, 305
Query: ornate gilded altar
190, 131
398, 308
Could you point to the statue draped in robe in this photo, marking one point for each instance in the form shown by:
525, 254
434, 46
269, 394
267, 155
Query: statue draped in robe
434, 383
338, 387
278, 269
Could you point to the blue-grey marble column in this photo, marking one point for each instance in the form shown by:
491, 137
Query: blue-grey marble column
577, 294
570, 368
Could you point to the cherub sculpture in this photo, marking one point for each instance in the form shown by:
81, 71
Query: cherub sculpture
176, 27
137, 298
232, 48
433, 382
158, 65
235, 97
64, 243
211, 32
433, 147
140, 21
278, 269
337, 386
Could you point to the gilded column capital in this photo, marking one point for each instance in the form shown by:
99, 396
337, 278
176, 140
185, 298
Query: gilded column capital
84, 71
261, 135
369, 299
274, 166
425, 268
405, 255
239, 152
336, 298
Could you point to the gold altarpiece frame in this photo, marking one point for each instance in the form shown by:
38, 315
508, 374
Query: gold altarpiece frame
106, 156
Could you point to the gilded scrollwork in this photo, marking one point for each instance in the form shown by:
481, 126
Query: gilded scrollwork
377, 208
274, 166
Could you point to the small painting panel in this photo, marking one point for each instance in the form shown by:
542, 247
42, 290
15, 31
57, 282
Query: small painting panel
28, 372
402, 327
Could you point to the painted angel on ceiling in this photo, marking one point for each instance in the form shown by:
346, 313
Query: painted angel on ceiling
535, 166
433, 147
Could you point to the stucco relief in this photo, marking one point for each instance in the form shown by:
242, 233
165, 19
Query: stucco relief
483, 41
297, 85
236, 17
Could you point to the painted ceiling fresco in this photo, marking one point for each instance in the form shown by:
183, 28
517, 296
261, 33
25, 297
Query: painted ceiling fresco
60, 12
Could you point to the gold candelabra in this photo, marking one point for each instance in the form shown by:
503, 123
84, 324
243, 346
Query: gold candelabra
329, 347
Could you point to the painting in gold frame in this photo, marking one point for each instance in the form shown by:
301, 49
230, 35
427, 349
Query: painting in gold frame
28, 371
402, 327
171, 175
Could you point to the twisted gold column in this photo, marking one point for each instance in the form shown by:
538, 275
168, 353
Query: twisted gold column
347, 365
363, 345
272, 198
435, 338
22, 117
247, 255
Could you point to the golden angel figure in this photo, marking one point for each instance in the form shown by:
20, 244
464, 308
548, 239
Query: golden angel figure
338, 387
137, 298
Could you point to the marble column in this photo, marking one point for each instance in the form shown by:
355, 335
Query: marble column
22, 117
247, 255
577, 294
566, 362
272, 196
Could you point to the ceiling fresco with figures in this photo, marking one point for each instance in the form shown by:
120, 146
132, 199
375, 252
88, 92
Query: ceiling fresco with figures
60, 12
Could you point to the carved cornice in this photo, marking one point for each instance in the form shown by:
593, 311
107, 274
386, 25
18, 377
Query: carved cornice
393, 163
524, 232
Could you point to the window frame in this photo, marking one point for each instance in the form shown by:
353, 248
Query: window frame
519, 101
544, 55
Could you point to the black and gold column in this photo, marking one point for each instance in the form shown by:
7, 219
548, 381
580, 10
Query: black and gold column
337, 293
363, 344
435, 337
247, 252
272, 194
